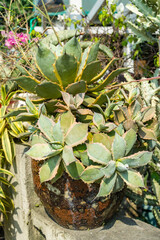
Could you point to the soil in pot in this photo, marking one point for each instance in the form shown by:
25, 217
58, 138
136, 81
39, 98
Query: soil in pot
70, 202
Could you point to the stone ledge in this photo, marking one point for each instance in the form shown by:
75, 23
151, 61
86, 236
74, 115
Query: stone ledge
29, 222
119, 228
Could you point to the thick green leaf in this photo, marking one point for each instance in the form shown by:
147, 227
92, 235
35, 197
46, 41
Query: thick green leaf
14, 113
109, 109
37, 139
119, 184
57, 133
98, 119
98, 153
40, 151
107, 186
83, 62
134, 109
48, 90
91, 174
6, 145
118, 147
77, 134
67, 119
132, 178
100, 99
137, 159
109, 169
119, 116
77, 87
100, 75
67, 155
108, 80
27, 83
91, 70
31, 107
72, 47
45, 60
128, 124
59, 173
130, 138
75, 169
51, 106
120, 167
66, 66
46, 125
49, 169
104, 139
146, 133
106, 50
93, 53
78, 99
26, 117
148, 114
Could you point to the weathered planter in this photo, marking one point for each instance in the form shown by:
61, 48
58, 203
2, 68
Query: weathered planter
70, 202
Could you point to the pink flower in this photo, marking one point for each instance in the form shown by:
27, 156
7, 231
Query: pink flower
23, 37
13, 39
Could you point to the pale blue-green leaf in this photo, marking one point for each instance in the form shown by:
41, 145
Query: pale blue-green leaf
98, 119
109, 169
107, 186
77, 134
67, 119
118, 147
104, 139
91, 174
138, 159
39, 151
49, 168
75, 169
121, 167
46, 125
132, 178
57, 133
67, 155
130, 138
119, 185
98, 153
37, 139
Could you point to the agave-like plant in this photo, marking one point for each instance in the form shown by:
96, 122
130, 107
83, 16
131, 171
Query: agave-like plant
133, 114
63, 144
69, 69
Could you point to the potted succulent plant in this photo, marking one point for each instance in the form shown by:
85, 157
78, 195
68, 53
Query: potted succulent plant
83, 155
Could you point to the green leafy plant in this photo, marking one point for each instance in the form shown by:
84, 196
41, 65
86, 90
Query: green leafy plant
70, 69
82, 124
64, 145
8, 131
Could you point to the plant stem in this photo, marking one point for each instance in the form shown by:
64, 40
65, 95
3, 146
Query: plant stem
140, 80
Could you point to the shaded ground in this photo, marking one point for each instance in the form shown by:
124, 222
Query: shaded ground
1, 234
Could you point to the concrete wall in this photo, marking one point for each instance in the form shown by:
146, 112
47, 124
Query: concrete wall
29, 221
